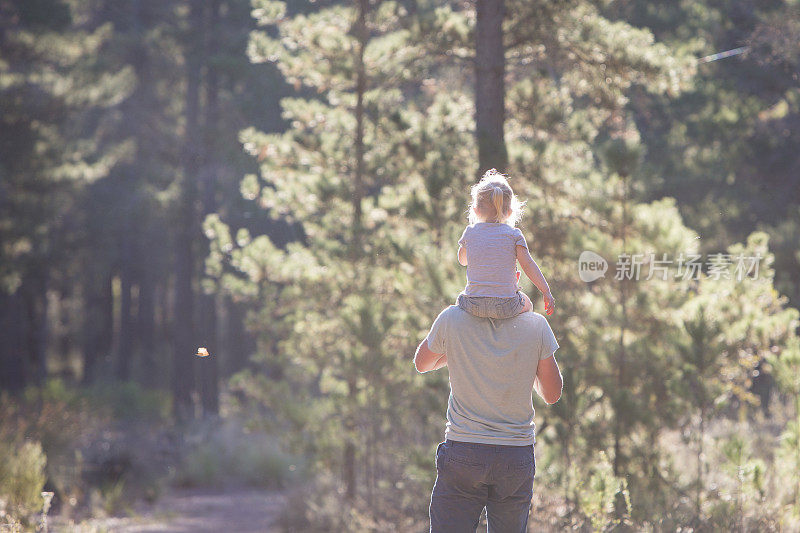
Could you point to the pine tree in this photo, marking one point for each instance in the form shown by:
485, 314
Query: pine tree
52, 92
328, 172
577, 152
724, 148
124, 213
380, 200
376, 179
735, 323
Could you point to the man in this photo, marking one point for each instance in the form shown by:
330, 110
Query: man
487, 458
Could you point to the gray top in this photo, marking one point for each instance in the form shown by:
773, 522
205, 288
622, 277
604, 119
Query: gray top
492, 365
491, 259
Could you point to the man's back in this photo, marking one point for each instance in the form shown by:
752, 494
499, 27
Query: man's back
492, 365
487, 458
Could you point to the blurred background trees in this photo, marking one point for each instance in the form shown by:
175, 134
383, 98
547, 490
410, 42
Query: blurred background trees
284, 183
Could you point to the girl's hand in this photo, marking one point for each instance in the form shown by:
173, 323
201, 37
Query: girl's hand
549, 303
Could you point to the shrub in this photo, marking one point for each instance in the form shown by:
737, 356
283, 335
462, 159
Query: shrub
605, 498
226, 453
93, 439
130, 402
321, 505
22, 478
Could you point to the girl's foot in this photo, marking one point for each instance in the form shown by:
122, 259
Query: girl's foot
527, 304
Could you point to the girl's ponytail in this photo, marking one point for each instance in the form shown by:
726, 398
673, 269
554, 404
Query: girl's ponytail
493, 192
497, 201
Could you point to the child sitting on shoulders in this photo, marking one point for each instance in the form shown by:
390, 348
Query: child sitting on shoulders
490, 247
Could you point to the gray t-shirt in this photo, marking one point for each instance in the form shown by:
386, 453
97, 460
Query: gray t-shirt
491, 259
492, 365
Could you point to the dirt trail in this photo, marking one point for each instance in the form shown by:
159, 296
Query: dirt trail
199, 511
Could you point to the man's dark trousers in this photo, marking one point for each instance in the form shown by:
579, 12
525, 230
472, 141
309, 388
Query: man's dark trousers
471, 476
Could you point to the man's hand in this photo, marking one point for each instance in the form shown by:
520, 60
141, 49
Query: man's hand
426, 360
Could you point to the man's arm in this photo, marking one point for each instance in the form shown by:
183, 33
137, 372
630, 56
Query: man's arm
548, 382
425, 360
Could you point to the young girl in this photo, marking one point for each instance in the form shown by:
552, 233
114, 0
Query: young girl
490, 248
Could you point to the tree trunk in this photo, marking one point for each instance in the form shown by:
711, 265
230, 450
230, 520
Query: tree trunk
361, 33
99, 323
122, 369
135, 218
621, 356
239, 343
209, 371
145, 322
183, 336
350, 469
164, 324
490, 86
12, 362
34, 293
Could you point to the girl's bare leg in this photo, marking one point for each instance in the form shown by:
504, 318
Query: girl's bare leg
527, 304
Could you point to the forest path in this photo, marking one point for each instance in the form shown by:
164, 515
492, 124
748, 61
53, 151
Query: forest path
198, 511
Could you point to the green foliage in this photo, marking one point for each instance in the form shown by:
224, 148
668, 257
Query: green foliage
110, 497
604, 497
747, 489
22, 478
321, 507
48, 92
785, 366
227, 453
754, 320
618, 139
643, 356
344, 304
104, 447
129, 402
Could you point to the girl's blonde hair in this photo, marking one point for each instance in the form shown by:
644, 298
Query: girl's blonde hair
496, 200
